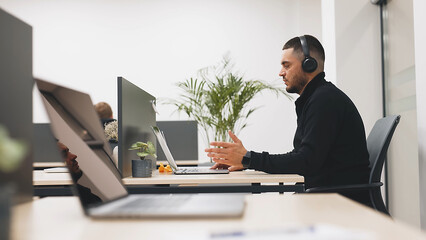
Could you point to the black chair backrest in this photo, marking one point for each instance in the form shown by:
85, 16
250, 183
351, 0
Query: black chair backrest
378, 142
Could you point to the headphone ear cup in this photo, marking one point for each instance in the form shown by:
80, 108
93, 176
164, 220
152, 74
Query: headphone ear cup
309, 64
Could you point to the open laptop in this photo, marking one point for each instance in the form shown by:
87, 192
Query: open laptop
182, 170
97, 180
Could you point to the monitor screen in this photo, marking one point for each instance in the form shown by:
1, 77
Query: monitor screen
45, 149
182, 139
82, 142
135, 118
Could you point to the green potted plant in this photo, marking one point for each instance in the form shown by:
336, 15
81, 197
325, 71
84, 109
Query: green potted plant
143, 167
218, 99
12, 152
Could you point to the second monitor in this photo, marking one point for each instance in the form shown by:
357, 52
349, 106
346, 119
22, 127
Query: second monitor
135, 118
182, 139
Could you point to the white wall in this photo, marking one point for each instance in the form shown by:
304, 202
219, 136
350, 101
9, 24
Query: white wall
329, 38
86, 44
400, 87
358, 57
358, 73
419, 7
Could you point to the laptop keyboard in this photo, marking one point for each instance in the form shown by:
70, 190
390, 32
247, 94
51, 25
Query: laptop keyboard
154, 203
200, 170
193, 170
171, 205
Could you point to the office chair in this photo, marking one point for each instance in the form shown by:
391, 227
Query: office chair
377, 144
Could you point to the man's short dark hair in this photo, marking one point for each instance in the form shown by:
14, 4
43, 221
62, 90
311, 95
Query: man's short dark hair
313, 44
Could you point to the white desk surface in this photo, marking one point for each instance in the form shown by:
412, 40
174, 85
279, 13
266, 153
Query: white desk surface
62, 218
41, 178
48, 164
62, 164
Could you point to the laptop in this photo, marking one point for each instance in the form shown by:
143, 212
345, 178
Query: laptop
182, 170
96, 179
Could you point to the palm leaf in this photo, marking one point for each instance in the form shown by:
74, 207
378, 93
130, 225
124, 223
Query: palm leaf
218, 98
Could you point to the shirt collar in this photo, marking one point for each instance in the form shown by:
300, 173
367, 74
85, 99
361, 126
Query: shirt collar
310, 88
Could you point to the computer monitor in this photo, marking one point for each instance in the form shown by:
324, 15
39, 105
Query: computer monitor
77, 124
135, 118
182, 139
45, 149
16, 105
77, 127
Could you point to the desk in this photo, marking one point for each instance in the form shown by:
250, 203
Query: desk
182, 163
62, 218
57, 184
43, 165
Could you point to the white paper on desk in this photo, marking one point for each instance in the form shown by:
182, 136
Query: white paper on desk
312, 232
56, 170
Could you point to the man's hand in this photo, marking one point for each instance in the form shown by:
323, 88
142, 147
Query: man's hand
229, 154
220, 166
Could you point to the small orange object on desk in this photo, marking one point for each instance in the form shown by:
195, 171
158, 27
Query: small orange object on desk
163, 169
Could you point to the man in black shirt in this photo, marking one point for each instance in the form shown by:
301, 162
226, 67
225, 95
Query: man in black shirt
329, 144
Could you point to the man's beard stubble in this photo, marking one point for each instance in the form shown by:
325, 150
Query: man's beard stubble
300, 82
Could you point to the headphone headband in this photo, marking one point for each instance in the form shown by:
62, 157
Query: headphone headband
305, 47
309, 64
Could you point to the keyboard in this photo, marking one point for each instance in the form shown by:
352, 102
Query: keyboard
200, 170
171, 205
151, 203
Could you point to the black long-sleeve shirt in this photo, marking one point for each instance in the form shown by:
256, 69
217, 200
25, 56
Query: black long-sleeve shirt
329, 144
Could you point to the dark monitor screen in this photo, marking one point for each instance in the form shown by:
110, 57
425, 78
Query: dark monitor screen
73, 108
16, 85
45, 149
76, 125
135, 118
182, 139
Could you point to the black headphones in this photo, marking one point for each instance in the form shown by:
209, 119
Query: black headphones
309, 64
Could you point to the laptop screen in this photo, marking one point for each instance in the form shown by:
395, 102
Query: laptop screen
162, 141
82, 142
